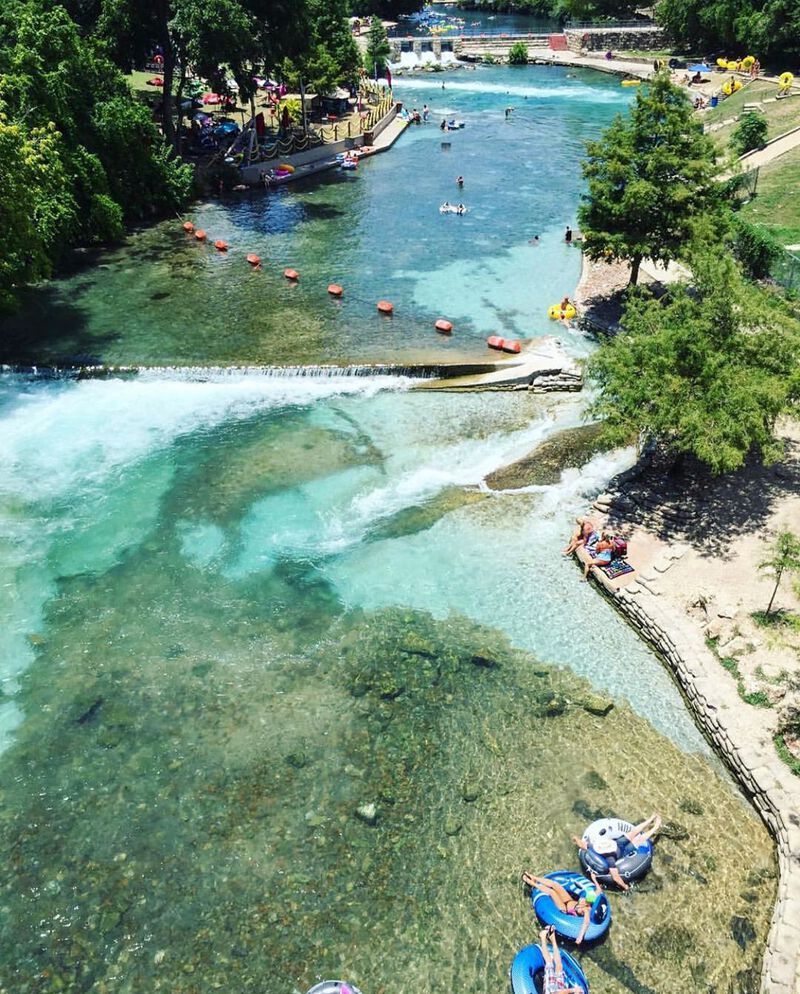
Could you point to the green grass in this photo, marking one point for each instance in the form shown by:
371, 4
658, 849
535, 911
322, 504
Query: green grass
781, 115
777, 619
137, 81
776, 205
783, 751
758, 698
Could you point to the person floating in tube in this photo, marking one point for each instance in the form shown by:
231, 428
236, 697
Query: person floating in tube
554, 980
564, 901
610, 850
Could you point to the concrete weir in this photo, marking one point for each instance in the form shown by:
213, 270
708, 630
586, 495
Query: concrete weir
542, 366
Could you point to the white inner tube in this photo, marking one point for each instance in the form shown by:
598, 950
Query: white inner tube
603, 829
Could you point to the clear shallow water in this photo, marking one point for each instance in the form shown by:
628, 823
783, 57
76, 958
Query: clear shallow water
165, 299
211, 685
238, 606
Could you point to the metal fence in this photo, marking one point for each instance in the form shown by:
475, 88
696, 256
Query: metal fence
605, 25
786, 270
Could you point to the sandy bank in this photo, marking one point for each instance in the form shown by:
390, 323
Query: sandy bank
696, 544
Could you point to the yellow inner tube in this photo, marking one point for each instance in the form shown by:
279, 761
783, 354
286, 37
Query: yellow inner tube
722, 63
556, 312
732, 66
785, 78
286, 167
747, 63
631, 82
730, 88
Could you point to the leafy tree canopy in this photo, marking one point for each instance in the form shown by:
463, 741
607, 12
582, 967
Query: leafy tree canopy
378, 48
80, 155
705, 371
766, 28
650, 177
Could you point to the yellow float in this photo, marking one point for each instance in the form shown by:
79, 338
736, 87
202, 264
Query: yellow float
557, 312
722, 63
731, 87
785, 83
747, 63
286, 167
631, 82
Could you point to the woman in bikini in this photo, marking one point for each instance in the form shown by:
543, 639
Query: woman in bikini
564, 901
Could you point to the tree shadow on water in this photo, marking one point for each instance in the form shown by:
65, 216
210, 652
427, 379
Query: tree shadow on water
49, 328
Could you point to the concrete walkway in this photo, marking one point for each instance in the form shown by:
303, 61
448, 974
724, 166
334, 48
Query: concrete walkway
772, 150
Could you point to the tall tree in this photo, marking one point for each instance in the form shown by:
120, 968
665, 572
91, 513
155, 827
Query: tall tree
378, 48
215, 37
784, 558
650, 177
767, 28
331, 57
706, 371
80, 155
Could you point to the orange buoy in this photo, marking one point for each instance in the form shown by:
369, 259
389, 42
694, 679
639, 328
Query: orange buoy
495, 342
335, 290
200, 235
221, 246
445, 327
385, 307
253, 259
188, 227
511, 346
291, 274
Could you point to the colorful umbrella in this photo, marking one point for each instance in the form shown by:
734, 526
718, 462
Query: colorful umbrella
212, 98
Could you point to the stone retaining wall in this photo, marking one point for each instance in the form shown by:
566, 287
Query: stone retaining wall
615, 39
772, 788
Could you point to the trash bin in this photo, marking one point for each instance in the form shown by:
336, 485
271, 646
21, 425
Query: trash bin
713, 101
368, 138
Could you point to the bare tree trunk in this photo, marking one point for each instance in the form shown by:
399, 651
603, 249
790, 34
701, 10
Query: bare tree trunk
164, 38
635, 263
777, 584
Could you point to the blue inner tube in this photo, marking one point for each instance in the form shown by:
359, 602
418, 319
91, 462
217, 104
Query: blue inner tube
570, 926
528, 966
632, 865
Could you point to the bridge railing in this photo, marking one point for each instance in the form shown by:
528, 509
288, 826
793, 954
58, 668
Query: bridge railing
608, 25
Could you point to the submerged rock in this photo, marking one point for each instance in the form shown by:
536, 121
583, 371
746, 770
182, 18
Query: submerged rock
470, 791
691, 807
674, 830
368, 813
594, 781
742, 931
297, 759
452, 826
567, 448
597, 704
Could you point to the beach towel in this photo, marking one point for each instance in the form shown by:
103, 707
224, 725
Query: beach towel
617, 567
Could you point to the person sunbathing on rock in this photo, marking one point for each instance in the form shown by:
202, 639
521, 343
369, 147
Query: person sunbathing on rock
610, 850
584, 535
600, 554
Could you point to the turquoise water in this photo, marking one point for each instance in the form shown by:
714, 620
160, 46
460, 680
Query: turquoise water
240, 606
165, 299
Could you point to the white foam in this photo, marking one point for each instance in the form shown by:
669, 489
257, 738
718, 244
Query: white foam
580, 91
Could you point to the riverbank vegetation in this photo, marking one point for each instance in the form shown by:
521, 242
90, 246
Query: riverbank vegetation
82, 156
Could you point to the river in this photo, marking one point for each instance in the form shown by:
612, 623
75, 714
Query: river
240, 604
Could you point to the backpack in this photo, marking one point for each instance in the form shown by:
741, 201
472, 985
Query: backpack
619, 547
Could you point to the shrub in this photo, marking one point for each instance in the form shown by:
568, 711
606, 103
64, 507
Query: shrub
754, 248
518, 54
750, 133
